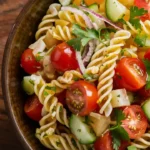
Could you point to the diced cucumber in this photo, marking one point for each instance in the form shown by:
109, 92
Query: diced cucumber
114, 10
28, 85
94, 7
146, 108
81, 130
65, 2
119, 98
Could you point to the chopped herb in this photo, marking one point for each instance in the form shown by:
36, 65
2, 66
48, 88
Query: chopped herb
74, 142
132, 147
117, 131
58, 143
118, 95
122, 21
140, 39
147, 65
122, 52
31, 81
61, 109
135, 13
79, 130
53, 88
75, 78
45, 93
87, 77
39, 58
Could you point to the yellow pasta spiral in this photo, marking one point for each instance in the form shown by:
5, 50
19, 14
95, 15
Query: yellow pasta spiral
62, 33
105, 81
61, 142
143, 142
48, 20
72, 18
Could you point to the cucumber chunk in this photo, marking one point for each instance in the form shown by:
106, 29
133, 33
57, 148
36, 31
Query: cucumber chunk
27, 85
65, 2
94, 7
146, 108
81, 130
114, 10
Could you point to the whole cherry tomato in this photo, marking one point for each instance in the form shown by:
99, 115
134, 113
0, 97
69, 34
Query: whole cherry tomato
63, 58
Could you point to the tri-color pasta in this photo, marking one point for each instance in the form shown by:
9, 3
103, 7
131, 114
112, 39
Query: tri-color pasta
89, 74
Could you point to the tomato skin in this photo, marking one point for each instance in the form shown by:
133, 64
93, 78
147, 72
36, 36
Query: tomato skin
131, 74
81, 98
62, 97
135, 122
33, 108
144, 93
124, 145
104, 142
63, 58
147, 55
29, 63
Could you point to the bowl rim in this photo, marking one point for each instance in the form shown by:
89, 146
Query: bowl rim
4, 78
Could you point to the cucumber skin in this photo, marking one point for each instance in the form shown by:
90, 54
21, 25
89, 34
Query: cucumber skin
72, 130
145, 107
94, 7
108, 15
27, 86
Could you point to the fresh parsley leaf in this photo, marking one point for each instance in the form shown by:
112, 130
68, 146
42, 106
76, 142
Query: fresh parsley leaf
84, 41
147, 65
140, 39
75, 43
119, 116
132, 147
87, 77
122, 21
39, 58
117, 131
136, 12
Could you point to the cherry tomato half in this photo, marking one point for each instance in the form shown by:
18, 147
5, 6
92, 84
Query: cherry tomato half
81, 98
33, 108
145, 5
135, 122
29, 63
130, 74
63, 58
104, 142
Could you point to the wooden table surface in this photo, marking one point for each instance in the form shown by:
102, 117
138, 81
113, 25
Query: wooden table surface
9, 10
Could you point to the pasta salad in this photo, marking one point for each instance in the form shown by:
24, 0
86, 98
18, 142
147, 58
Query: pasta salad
88, 81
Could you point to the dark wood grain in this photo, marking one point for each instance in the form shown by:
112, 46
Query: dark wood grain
9, 10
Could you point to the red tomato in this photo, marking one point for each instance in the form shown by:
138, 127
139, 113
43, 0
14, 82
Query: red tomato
63, 58
145, 5
144, 93
147, 55
124, 145
135, 122
131, 74
104, 142
81, 98
29, 63
33, 108
62, 97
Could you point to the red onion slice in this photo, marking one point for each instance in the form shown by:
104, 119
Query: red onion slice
80, 62
80, 13
100, 17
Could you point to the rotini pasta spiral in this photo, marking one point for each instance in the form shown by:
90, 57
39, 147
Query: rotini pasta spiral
46, 93
61, 142
62, 33
48, 20
111, 54
143, 142
72, 18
